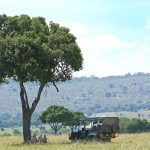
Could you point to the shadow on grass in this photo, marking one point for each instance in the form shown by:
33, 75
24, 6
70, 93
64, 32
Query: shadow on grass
67, 143
41, 144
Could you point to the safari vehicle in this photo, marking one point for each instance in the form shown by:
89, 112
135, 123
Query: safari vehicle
97, 128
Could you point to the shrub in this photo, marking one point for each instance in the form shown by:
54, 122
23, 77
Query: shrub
16, 132
2, 129
6, 134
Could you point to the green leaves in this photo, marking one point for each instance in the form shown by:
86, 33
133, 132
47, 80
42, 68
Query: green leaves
33, 51
55, 114
76, 119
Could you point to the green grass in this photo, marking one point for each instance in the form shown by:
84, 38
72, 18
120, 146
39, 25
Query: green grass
123, 142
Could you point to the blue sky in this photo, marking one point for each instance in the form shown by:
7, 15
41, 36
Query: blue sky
114, 35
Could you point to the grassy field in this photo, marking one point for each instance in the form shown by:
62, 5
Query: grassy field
123, 142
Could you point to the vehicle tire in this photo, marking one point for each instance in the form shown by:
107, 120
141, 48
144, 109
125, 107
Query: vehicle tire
105, 140
108, 139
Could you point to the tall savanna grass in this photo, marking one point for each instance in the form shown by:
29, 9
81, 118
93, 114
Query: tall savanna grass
123, 142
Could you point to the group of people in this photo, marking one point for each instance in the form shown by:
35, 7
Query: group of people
40, 139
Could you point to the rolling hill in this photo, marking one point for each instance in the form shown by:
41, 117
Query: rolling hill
91, 95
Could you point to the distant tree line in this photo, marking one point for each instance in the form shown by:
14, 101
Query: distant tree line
11, 121
61, 119
134, 125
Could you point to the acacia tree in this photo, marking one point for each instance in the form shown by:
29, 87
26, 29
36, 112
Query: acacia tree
76, 119
56, 116
31, 50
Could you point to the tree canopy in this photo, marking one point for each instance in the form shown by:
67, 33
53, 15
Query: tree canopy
30, 50
76, 119
56, 116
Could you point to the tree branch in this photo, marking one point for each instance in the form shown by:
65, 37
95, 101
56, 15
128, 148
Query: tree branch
24, 100
37, 99
26, 97
55, 86
51, 125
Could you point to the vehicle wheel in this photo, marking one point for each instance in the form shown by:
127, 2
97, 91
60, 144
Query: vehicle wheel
108, 140
104, 140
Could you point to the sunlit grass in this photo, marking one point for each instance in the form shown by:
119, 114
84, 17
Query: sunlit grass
123, 142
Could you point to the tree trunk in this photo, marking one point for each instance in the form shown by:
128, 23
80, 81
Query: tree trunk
55, 131
54, 127
27, 111
26, 126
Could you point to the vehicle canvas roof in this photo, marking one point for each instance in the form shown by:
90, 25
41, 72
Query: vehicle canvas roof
98, 118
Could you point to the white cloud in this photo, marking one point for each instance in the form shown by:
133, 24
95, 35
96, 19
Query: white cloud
86, 39
107, 54
106, 41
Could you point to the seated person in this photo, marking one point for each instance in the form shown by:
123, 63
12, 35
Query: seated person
40, 139
44, 139
33, 139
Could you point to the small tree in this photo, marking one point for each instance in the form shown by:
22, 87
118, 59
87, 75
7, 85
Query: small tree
76, 119
56, 116
31, 50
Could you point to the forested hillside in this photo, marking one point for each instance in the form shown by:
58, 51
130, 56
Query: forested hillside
86, 94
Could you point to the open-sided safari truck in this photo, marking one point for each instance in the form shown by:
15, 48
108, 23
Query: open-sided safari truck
98, 128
